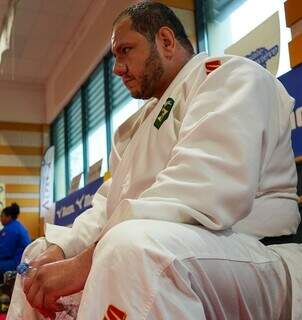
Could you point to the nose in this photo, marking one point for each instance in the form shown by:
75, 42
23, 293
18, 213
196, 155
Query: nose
119, 68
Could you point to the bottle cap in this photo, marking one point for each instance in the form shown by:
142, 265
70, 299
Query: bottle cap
22, 268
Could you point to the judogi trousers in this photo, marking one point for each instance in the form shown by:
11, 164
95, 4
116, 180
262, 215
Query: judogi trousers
156, 270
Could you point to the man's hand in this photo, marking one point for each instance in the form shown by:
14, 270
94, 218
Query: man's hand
56, 279
52, 254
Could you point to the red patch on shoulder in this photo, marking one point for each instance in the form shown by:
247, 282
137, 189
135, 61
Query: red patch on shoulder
113, 313
212, 65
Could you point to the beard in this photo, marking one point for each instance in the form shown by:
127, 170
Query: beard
153, 71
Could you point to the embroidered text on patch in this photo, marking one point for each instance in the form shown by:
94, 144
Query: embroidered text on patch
212, 65
164, 113
113, 313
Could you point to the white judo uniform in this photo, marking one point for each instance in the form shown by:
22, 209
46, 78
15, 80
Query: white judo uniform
197, 178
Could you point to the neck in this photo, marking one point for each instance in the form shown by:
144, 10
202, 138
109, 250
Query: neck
169, 76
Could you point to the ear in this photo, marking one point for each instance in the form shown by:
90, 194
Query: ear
166, 42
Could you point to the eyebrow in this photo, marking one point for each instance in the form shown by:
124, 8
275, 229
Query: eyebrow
119, 47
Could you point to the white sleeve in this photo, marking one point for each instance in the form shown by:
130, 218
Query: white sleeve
86, 227
230, 129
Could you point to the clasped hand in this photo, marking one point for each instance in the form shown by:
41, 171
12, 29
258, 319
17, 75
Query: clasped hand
53, 277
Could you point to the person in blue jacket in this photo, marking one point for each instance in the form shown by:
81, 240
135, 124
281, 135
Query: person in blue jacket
13, 239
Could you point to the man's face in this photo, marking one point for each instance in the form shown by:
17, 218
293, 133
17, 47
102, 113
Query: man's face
137, 61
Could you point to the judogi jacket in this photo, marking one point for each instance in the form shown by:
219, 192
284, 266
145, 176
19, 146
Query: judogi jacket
215, 150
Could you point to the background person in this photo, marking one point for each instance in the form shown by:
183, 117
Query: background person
14, 239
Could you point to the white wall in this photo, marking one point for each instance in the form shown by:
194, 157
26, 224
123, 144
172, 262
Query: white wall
90, 43
22, 102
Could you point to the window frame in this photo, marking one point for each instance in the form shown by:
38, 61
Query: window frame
109, 109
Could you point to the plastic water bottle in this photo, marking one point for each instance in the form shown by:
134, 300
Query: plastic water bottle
25, 270
70, 308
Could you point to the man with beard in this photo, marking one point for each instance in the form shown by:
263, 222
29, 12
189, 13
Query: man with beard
196, 181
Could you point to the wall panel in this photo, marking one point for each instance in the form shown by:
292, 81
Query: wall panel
21, 146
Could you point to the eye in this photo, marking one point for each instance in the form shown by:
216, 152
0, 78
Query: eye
125, 50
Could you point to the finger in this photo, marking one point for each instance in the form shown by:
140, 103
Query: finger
27, 283
35, 263
51, 304
35, 293
52, 316
47, 314
38, 300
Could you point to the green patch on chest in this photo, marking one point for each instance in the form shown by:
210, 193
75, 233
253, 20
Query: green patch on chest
164, 113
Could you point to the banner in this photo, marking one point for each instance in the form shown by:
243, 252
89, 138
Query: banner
261, 45
75, 183
67, 209
46, 181
2, 196
95, 171
7, 27
292, 81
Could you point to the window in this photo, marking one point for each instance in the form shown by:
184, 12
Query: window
124, 112
120, 99
82, 132
74, 137
94, 100
227, 21
97, 147
58, 140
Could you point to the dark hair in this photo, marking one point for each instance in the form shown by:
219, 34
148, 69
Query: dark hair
13, 211
148, 17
